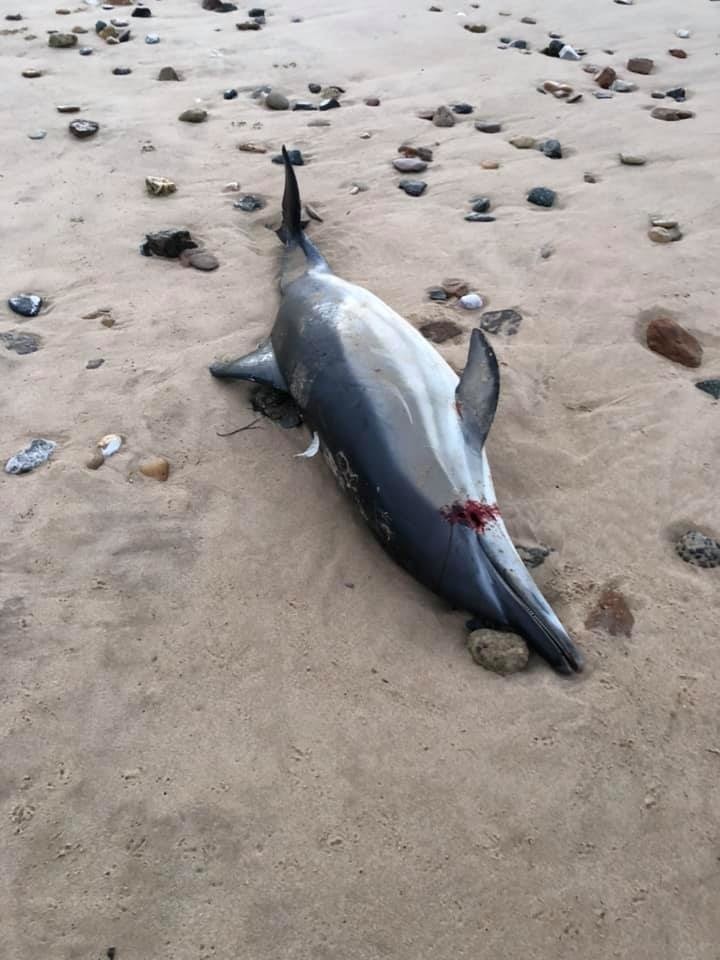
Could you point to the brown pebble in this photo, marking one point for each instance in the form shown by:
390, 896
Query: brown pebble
32, 74
489, 164
372, 102
671, 113
454, 287
107, 320
606, 78
158, 468
611, 614
438, 331
95, 461
640, 65
252, 148
670, 340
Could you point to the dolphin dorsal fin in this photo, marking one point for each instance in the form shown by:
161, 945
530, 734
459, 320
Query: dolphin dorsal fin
476, 396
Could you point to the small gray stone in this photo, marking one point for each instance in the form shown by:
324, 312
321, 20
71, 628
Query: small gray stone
94, 364
409, 165
542, 197
20, 342
533, 556
623, 86
462, 108
82, 129
480, 204
25, 304
413, 188
249, 203
506, 322
479, 217
488, 126
37, 135
152, 38
85, 51
710, 386
60, 40
502, 653
168, 73
202, 260
443, 117
552, 149
632, 160
695, 548
277, 101
194, 115
36, 452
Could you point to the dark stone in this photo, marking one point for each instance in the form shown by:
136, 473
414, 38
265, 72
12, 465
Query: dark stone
677, 93
372, 101
168, 73
85, 51
314, 87
701, 551
519, 44
710, 386
437, 293
485, 126
94, 364
294, 156
110, 953
122, 71
230, 94
480, 217
13, 16
167, 243
533, 556
256, 12
669, 113
413, 188
666, 337
330, 104
506, 322
25, 304
303, 105
276, 405
248, 25
542, 197
438, 331
141, 12
249, 203
82, 129
462, 108
530, 20
20, 342
100, 26
640, 65
612, 614
553, 48
475, 27
552, 149
480, 204
218, 6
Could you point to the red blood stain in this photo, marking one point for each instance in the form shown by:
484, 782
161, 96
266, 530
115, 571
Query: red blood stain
471, 513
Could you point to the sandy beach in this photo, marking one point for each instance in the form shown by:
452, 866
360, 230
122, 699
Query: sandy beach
231, 726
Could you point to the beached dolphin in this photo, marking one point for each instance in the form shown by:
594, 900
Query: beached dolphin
403, 436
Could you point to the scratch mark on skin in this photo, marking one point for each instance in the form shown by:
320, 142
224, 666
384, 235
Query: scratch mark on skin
471, 513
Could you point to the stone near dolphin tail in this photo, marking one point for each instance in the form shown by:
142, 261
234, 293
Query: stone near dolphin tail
402, 434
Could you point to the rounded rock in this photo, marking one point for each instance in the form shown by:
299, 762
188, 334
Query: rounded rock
502, 653
542, 197
157, 468
701, 551
194, 115
277, 101
82, 129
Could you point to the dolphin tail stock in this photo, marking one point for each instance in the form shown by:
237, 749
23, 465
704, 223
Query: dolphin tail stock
292, 230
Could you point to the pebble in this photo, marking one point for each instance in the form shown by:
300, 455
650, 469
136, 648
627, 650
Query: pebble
664, 234
475, 27
552, 149
590, 177
252, 148
248, 25
462, 108
249, 203
670, 340
303, 105
32, 74
94, 364
424, 153
122, 71
569, 53
632, 160
168, 73
683, 34
145, 12
25, 304
679, 94
277, 101
82, 129
528, 20
519, 44
413, 188
68, 108
230, 93
710, 386
157, 468
611, 614
640, 65
410, 164
678, 53
604, 94
152, 38
480, 204
31, 456
200, 259
479, 217
438, 331
425, 114
701, 551
657, 95
523, 142
443, 117
499, 652
542, 197
37, 135
159, 186
194, 115
490, 164
455, 287
559, 90
372, 102
546, 251
624, 86
294, 156
314, 87
167, 243
95, 461
533, 556
505, 321
488, 126
472, 301
110, 444
61, 40
437, 293
331, 103
13, 16
85, 51
21, 343
671, 113
605, 78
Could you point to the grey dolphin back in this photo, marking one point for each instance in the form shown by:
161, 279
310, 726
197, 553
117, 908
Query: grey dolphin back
260, 366
476, 396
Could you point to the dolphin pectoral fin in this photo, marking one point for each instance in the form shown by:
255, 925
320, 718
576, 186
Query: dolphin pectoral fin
476, 396
260, 366
312, 449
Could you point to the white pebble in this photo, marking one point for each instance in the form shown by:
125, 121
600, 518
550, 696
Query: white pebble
472, 301
569, 53
684, 34
110, 444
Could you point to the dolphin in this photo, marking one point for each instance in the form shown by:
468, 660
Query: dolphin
403, 435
